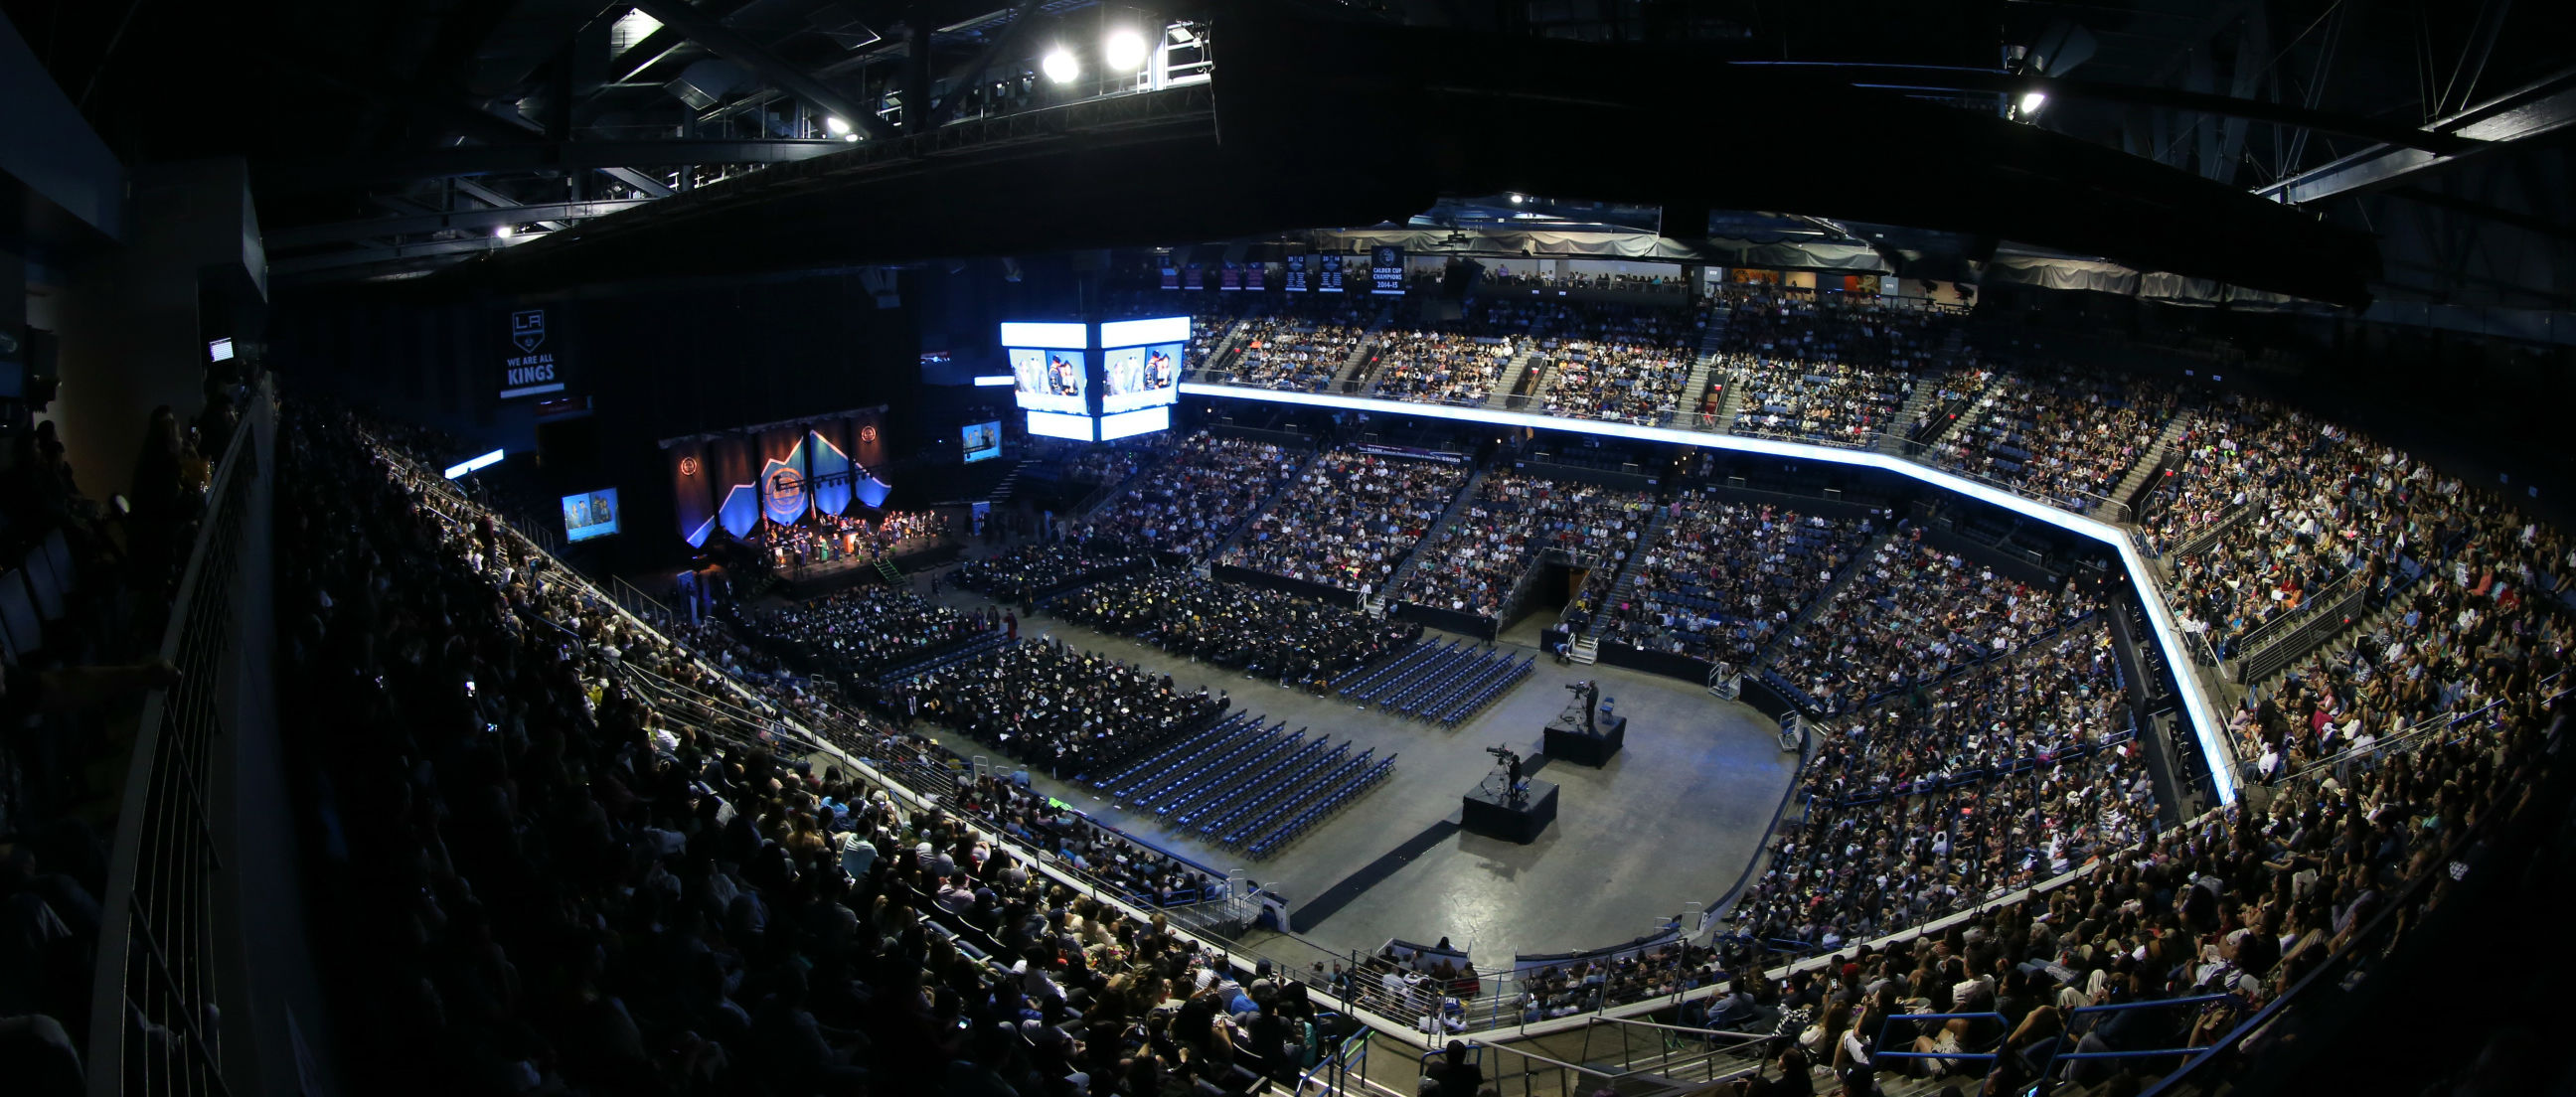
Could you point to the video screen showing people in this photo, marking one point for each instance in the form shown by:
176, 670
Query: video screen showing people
983, 441
590, 514
1048, 380
1140, 377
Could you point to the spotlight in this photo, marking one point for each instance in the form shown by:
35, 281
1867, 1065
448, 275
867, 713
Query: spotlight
1124, 51
850, 137
2031, 101
839, 128
1516, 199
1060, 66
503, 232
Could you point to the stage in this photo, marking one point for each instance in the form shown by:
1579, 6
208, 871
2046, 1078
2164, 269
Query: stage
1488, 812
1566, 741
816, 580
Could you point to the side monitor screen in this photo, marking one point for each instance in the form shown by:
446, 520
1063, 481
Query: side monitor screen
983, 441
590, 514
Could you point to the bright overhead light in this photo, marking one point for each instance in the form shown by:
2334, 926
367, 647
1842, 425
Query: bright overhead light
849, 137
2031, 101
1124, 51
1516, 199
834, 124
503, 232
1060, 66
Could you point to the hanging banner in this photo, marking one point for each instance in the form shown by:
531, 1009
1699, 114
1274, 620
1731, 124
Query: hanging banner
1171, 275
528, 366
1230, 279
1328, 274
1194, 276
1252, 276
1296, 274
1386, 270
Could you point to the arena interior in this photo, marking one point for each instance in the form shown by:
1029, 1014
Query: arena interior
764, 548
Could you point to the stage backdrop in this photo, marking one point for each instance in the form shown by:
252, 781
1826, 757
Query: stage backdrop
777, 471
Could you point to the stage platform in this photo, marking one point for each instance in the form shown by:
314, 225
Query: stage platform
1565, 740
1488, 812
816, 580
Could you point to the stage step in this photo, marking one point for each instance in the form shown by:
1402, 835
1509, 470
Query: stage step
886, 568
1001, 492
1587, 650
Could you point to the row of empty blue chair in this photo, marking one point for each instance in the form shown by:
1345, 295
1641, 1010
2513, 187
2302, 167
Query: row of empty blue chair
1289, 771
1355, 777
1216, 787
1428, 694
1474, 694
1422, 660
1151, 775
968, 650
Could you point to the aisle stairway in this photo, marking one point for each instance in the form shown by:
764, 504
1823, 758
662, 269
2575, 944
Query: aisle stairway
1627, 578
886, 570
1457, 506
1009, 483
2110, 511
1512, 372
1823, 598
1926, 394
1285, 486
1353, 366
1703, 369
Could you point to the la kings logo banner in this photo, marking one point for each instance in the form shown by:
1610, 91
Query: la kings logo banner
532, 371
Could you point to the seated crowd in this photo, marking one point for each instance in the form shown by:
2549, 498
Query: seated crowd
858, 633
1621, 381
1911, 615
1197, 497
1041, 568
600, 900
2067, 435
1350, 519
1822, 401
1725, 578
1300, 350
1432, 365
1472, 564
2243, 902
2307, 504
1265, 633
1056, 708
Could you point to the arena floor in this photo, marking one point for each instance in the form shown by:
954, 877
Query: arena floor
1673, 819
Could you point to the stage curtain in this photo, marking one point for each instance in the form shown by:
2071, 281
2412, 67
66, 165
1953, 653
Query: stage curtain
741, 510
831, 469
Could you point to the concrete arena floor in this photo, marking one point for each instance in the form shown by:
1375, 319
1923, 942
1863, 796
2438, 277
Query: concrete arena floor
1674, 819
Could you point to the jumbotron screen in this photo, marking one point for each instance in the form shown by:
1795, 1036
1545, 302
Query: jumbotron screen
1048, 365
1141, 361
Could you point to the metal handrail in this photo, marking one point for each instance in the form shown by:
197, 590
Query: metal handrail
2058, 1053
154, 1003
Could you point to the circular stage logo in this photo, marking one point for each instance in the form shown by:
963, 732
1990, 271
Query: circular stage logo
868, 434
688, 466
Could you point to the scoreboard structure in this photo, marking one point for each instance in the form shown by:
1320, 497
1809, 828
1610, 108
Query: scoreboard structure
1096, 381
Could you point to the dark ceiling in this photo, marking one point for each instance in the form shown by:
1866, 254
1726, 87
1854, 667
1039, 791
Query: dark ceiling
398, 135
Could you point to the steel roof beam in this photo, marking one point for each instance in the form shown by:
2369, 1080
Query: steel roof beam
482, 220
733, 46
2530, 111
470, 160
